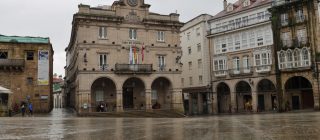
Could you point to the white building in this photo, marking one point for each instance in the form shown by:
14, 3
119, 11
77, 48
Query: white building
196, 66
242, 49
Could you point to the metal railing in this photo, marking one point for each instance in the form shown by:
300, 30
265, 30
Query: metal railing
133, 68
12, 62
263, 68
220, 73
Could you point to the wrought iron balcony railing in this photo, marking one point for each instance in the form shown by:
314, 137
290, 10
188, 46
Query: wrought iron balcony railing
133, 68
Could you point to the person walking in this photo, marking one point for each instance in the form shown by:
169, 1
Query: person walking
23, 109
30, 107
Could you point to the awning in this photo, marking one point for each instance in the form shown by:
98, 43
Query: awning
4, 90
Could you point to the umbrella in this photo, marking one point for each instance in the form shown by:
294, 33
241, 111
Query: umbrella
4, 90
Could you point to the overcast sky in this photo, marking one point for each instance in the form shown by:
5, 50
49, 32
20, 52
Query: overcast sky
52, 18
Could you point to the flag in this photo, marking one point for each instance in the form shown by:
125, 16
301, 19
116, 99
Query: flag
130, 55
142, 53
134, 55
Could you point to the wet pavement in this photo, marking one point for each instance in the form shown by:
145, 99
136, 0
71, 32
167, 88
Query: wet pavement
63, 124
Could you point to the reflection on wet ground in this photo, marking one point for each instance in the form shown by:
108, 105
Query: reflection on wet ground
63, 124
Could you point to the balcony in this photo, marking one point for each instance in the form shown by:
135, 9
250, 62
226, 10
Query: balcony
12, 63
239, 24
263, 69
220, 73
241, 71
133, 68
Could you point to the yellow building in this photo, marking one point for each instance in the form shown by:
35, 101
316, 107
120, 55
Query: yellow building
26, 69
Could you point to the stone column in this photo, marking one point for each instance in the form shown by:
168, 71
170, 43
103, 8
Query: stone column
233, 102
214, 100
190, 103
200, 103
148, 100
316, 98
177, 103
119, 101
254, 95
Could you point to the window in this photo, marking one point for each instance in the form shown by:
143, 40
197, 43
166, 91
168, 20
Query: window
257, 60
301, 36
220, 66
238, 22
306, 57
30, 55
188, 36
246, 3
99, 96
199, 47
29, 81
200, 79
3, 55
190, 65
260, 38
284, 19
282, 59
189, 50
223, 45
230, 43
268, 36
296, 58
199, 63
237, 42
103, 61
160, 36
102, 32
236, 65
231, 24
162, 62
262, 61
245, 21
245, 63
252, 39
260, 16
299, 16
286, 39
132, 34
289, 59
198, 31
244, 40
190, 81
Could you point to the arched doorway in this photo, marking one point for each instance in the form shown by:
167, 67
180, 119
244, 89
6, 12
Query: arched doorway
299, 93
244, 97
267, 99
103, 95
133, 94
224, 98
160, 93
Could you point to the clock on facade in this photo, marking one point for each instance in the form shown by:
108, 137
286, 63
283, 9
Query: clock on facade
132, 2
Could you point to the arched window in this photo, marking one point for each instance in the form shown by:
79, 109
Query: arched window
289, 59
297, 58
282, 59
305, 57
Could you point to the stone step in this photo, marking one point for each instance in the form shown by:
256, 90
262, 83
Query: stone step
136, 114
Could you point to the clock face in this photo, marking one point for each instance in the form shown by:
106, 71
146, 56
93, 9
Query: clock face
132, 2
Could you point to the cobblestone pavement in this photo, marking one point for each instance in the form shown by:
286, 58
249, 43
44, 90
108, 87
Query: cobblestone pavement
63, 124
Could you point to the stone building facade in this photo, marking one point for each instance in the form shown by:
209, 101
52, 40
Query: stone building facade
26, 69
124, 57
296, 30
196, 78
243, 68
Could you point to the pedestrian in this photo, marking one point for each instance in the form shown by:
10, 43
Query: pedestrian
23, 109
30, 107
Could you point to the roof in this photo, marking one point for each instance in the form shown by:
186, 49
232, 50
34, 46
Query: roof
238, 7
24, 39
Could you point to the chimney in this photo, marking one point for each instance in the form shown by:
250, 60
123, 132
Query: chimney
225, 4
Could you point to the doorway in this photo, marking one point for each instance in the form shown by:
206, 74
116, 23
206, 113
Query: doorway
295, 102
128, 97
